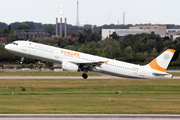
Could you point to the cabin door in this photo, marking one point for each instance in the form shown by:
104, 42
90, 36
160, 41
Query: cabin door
24, 47
57, 54
142, 72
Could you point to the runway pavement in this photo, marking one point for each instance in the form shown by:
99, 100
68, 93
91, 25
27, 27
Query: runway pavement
66, 77
58, 77
88, 117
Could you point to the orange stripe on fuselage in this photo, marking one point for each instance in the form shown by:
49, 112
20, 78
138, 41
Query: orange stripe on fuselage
155, 66
171, 50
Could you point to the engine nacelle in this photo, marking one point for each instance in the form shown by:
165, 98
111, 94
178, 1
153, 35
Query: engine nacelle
70, 66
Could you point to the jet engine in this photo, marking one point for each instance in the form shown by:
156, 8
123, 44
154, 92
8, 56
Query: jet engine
70, 66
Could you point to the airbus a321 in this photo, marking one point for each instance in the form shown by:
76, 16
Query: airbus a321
77, 61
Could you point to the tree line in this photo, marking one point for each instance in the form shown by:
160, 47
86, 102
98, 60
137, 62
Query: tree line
40, 26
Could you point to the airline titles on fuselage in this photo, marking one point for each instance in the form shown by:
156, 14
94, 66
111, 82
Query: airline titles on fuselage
69, 53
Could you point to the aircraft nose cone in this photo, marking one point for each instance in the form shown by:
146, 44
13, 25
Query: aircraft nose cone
7, 47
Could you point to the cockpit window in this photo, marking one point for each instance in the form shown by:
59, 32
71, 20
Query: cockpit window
15, 43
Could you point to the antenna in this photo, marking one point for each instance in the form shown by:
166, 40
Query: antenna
123, 18
56, 27
61, 15
77, 21
109, 16
61, 11
65, 29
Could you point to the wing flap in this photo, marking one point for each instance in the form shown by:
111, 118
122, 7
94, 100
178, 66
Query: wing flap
89, 65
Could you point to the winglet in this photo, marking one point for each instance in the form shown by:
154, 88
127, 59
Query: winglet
162, 61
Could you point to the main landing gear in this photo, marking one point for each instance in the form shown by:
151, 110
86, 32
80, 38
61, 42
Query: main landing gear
84, 75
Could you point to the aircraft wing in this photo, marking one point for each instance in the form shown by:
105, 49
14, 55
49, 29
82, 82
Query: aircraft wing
89, 65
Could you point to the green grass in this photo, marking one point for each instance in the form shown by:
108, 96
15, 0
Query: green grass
175, 74
41, 73
90, 96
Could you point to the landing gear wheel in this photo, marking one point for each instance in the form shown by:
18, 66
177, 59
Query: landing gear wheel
84, 75
22, 59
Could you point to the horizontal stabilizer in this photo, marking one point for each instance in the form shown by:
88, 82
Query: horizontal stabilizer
159, 73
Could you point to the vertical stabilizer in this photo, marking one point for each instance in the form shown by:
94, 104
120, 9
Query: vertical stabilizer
162, 61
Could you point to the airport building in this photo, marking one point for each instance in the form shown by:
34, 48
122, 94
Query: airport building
31, 34
151, 27
132, 30
159, 30
173, 33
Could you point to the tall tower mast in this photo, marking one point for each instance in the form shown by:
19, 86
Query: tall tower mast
56, 27
77, 21
61, 15
123, 18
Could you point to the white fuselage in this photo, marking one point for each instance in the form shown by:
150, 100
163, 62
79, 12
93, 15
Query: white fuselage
59, 55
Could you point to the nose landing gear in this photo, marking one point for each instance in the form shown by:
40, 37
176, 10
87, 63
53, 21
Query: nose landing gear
22, 59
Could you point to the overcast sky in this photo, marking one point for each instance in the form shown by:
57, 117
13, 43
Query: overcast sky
94, 12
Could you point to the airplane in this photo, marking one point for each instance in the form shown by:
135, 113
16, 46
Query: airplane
77, 61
